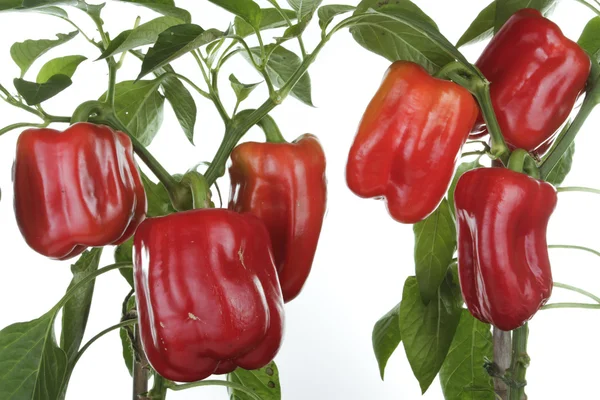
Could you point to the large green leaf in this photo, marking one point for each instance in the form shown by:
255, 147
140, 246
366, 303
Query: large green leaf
402, 31
435, 244
271, 19
264, 382
386, 337
63, 65
142, 35
481, 28
77, 309
428, 330
33, 366
183, 104
248, 10
506, 8
164, 7
36, 93
562, 168
25, 53
281, 66
590, 38
140, 106
329, 12
174, 43
462, 375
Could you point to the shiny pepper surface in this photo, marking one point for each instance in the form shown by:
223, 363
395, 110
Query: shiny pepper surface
208, 298
284, 185
76, 189
409, 140
536, 75
503, 261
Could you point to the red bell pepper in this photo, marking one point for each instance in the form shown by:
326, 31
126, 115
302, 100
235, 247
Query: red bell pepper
503, 263
76, 189
536, 75
207, 293
409, 140
284, 185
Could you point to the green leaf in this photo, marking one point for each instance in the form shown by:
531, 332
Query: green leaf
166, 7
77, 309
159, 203
36, 93
506, 8
248, 10
386, 337
294, 31
33, 366
142, 35
281, 66
462, 168
271, 19
25, 53
563, 167
481, 28
54, 11
462, 375
590, 38
329, 12
174, 43
126, 343
264, 382
59, 66
401, 31
242, 90
124, 253
183, 105
428, 330
139, 106
435, 244
305, 8
10, 4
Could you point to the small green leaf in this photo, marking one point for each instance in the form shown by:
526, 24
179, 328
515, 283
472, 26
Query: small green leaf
25, 53
36, 93
462, 375
183, 104
506, 8
142, 35
62, 65
563, 167
294, 31
33, 366
462, 168
164, 7
329, 12
159, 203
54, 11
435, 244
428, 330
271, 19
139, 106
242, 90
590, 38
126, 343
401, 31
481, 28
248, 10
77, 309
281, 66
305, 8
124, 253
175, 42
386, 337
264, 382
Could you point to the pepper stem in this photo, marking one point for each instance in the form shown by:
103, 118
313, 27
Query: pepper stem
519, 364
199, 189
272, 132
521, 161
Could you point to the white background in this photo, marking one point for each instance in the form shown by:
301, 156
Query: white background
363, 257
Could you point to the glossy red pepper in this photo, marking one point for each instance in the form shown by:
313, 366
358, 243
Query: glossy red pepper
536, 75
207, 293
503, 262
284, 185
76, 189
409, 140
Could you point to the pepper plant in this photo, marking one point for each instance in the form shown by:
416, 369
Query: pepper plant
209, 280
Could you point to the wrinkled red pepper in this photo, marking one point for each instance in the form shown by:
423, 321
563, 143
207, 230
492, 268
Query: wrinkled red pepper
503, 262
536, 76
284, 185
207, 293
76, 189
409, 140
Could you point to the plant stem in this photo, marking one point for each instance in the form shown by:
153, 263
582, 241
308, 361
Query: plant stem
214, 94
141, 370
519, 364
21, 125
570, 305
502, 351
574, 247
588, 5
577, 189
563, 143
228, 384
577, 290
